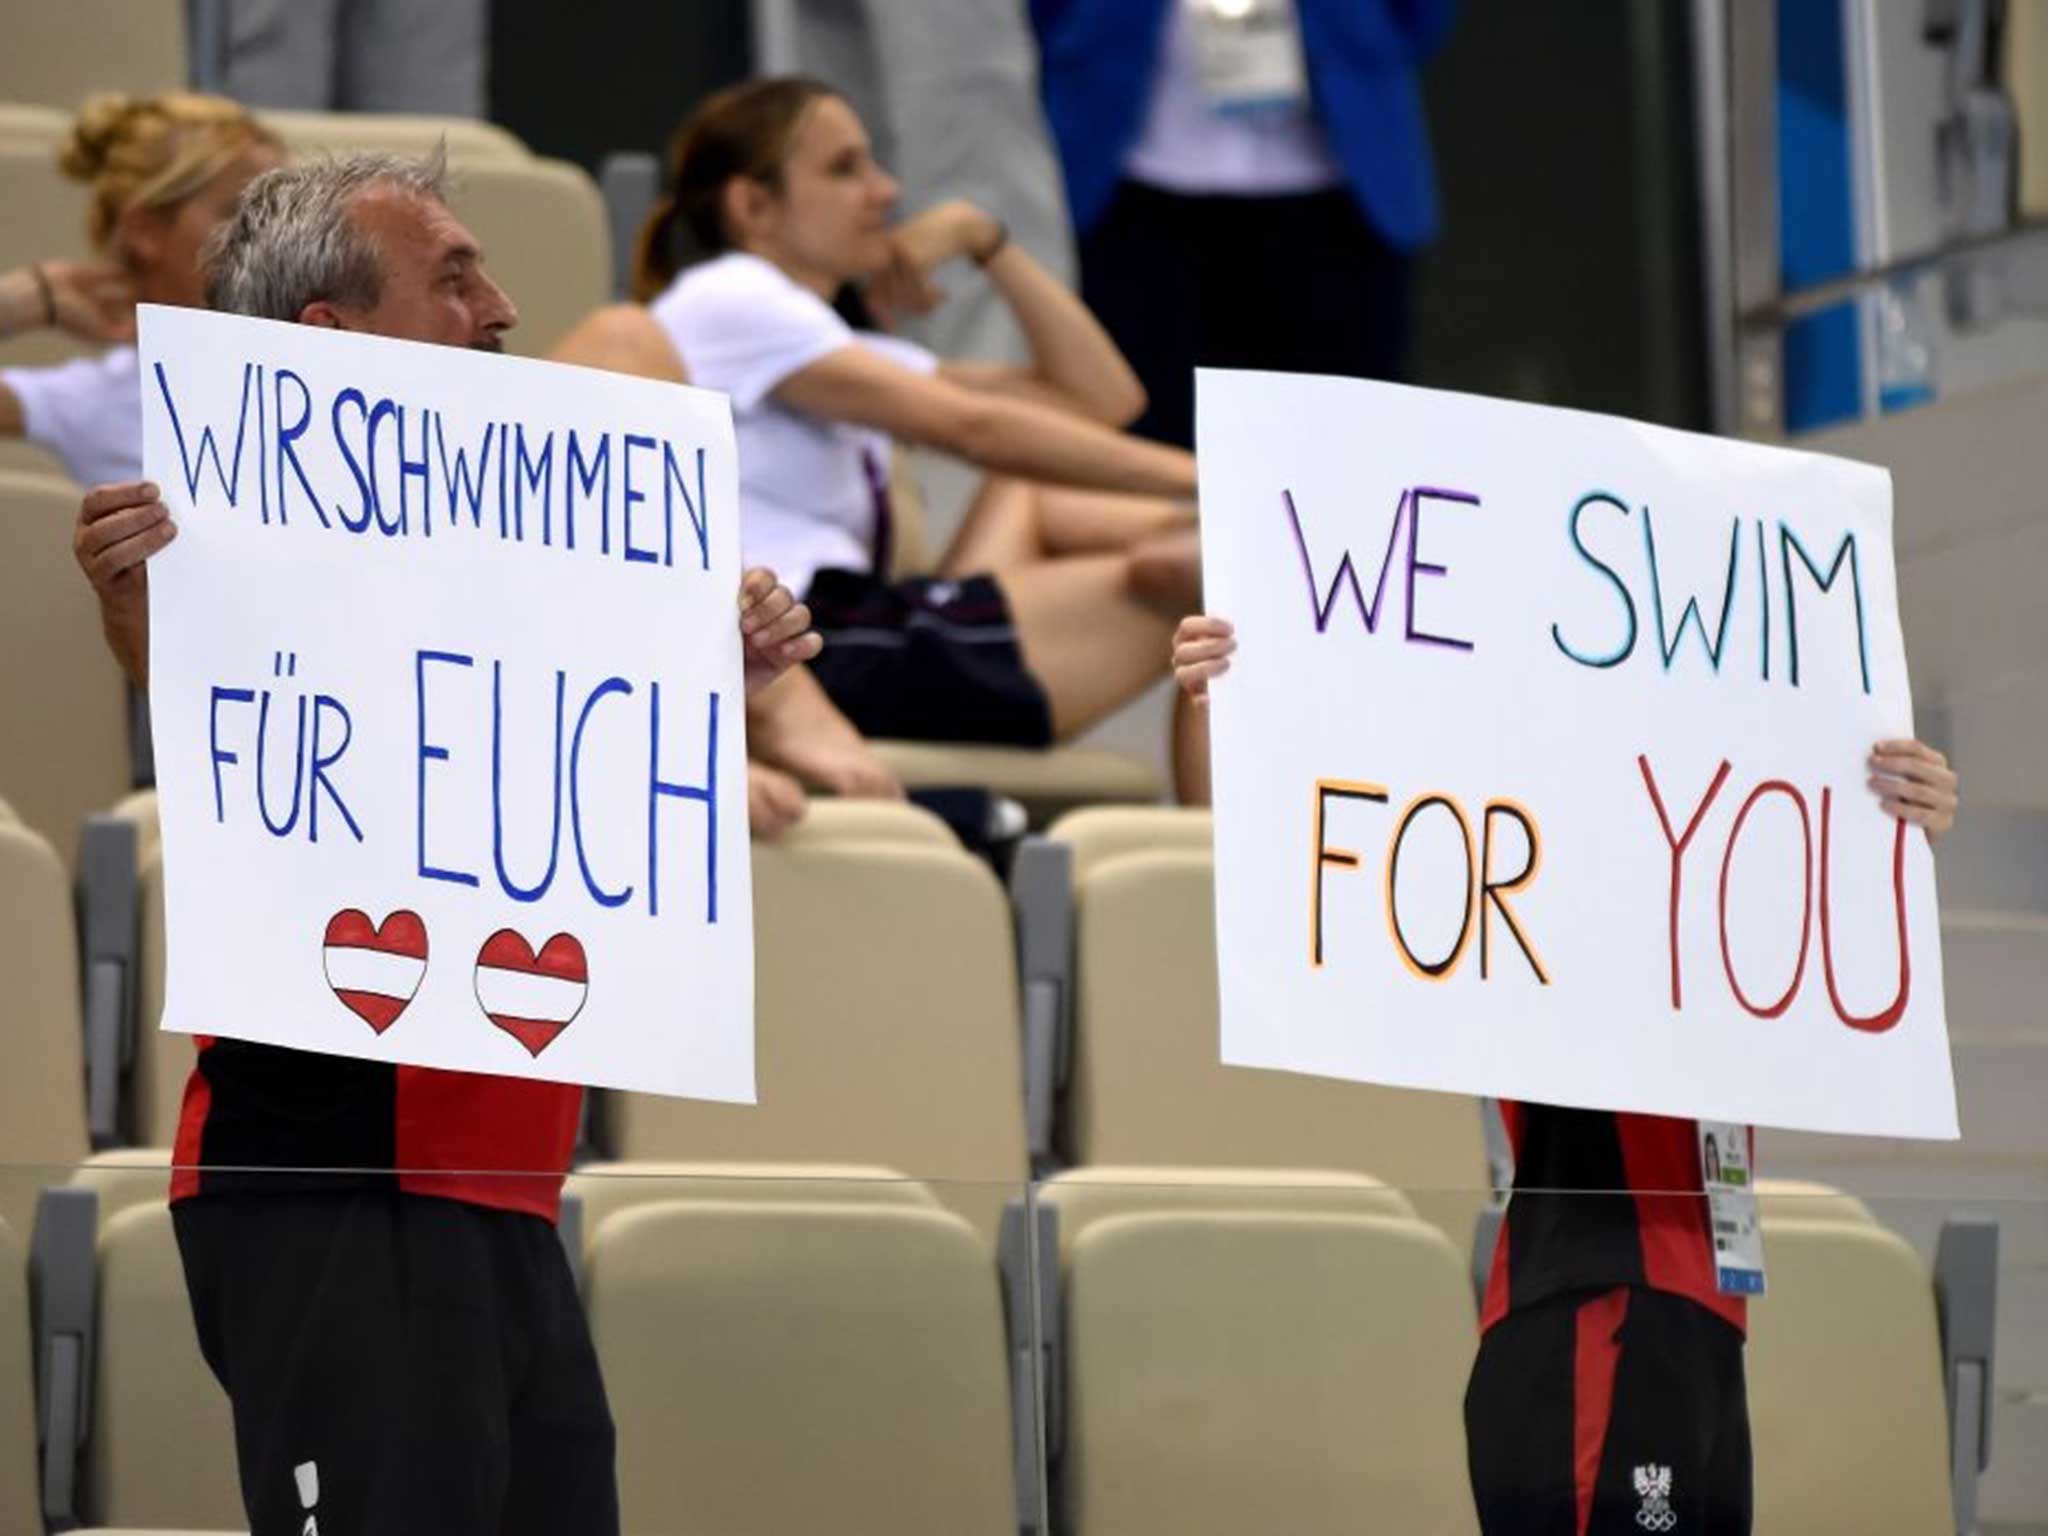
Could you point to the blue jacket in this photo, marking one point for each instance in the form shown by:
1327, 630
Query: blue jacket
1096, 63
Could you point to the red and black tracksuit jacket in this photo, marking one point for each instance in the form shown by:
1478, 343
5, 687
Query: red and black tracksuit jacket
264, 1118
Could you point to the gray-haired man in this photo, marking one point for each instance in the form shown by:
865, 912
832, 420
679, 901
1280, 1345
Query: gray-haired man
398, 1333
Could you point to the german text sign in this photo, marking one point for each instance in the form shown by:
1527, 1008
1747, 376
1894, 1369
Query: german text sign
446, 691
1541, 767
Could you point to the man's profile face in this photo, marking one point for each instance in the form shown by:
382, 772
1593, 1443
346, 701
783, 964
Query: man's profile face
435, 286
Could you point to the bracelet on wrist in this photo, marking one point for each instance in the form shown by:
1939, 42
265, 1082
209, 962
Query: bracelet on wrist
49, 294
994, 248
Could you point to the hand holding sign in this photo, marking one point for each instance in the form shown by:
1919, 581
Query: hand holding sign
1914, 783
775, 628
119, 527
1202, 647
1540, 778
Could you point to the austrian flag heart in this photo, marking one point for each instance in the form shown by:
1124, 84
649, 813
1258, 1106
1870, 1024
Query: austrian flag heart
375, 968
531, 997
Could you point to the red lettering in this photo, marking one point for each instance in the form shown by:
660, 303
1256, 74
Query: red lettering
1873, 1023
1678, 846
1771, 786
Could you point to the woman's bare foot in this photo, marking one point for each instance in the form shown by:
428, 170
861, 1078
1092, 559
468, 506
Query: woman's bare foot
793, 725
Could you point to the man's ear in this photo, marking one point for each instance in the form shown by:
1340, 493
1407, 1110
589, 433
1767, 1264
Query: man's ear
322, 313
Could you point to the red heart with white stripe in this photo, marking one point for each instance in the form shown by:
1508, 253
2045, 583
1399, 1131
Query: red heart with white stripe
533, 998
375, 968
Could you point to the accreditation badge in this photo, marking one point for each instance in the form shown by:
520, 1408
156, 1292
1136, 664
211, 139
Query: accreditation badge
1248, 53
1729, 1180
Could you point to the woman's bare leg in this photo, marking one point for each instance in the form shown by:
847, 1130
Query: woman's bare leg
1013, 523
1093, 522
999, 532
1091, 642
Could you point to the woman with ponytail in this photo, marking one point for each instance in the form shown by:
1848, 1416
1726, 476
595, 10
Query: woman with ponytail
164, 171
1054, 604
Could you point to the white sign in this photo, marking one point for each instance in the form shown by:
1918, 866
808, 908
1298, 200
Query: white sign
1540, 770
446, 692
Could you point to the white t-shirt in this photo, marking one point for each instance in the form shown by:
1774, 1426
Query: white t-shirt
1186, 145
807, 486
88, 412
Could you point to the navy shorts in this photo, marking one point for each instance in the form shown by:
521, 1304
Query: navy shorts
926, 660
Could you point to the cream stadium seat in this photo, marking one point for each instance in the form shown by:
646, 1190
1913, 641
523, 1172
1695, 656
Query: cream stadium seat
1143, 1084
603, 1190
790, 1367
42, 1093
885, 1028
64, 751
1101, 833
1265, 1368
867, 821
1845, 1384
1925, 1192
57, 55
20, 1508
154, 1445
21, 457
469, 141
1046, 783
542, 227
1805, 1200
36, 127
124, 1178
1084, 1196
160, 1450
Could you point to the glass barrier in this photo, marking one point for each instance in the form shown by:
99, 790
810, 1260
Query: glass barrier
790, 1346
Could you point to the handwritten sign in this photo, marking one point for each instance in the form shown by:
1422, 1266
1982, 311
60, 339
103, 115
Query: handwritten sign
445, 685
1540, 771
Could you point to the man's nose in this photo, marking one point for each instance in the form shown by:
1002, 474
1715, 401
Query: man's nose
498, 313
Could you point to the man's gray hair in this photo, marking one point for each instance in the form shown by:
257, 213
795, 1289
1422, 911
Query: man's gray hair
291, 240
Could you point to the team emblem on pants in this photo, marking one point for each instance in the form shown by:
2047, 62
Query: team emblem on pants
1654, 1484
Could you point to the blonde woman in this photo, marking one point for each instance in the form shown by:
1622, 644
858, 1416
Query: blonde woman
163, 173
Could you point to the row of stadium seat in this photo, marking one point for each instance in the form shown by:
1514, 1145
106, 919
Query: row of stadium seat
783, 1343
790, 1348
1117, 997
893, 1042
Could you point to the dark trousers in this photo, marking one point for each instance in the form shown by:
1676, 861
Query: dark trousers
1610, 1413
1294, 284
399, 1364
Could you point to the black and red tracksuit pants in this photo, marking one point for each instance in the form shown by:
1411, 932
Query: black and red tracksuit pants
1608, 1412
